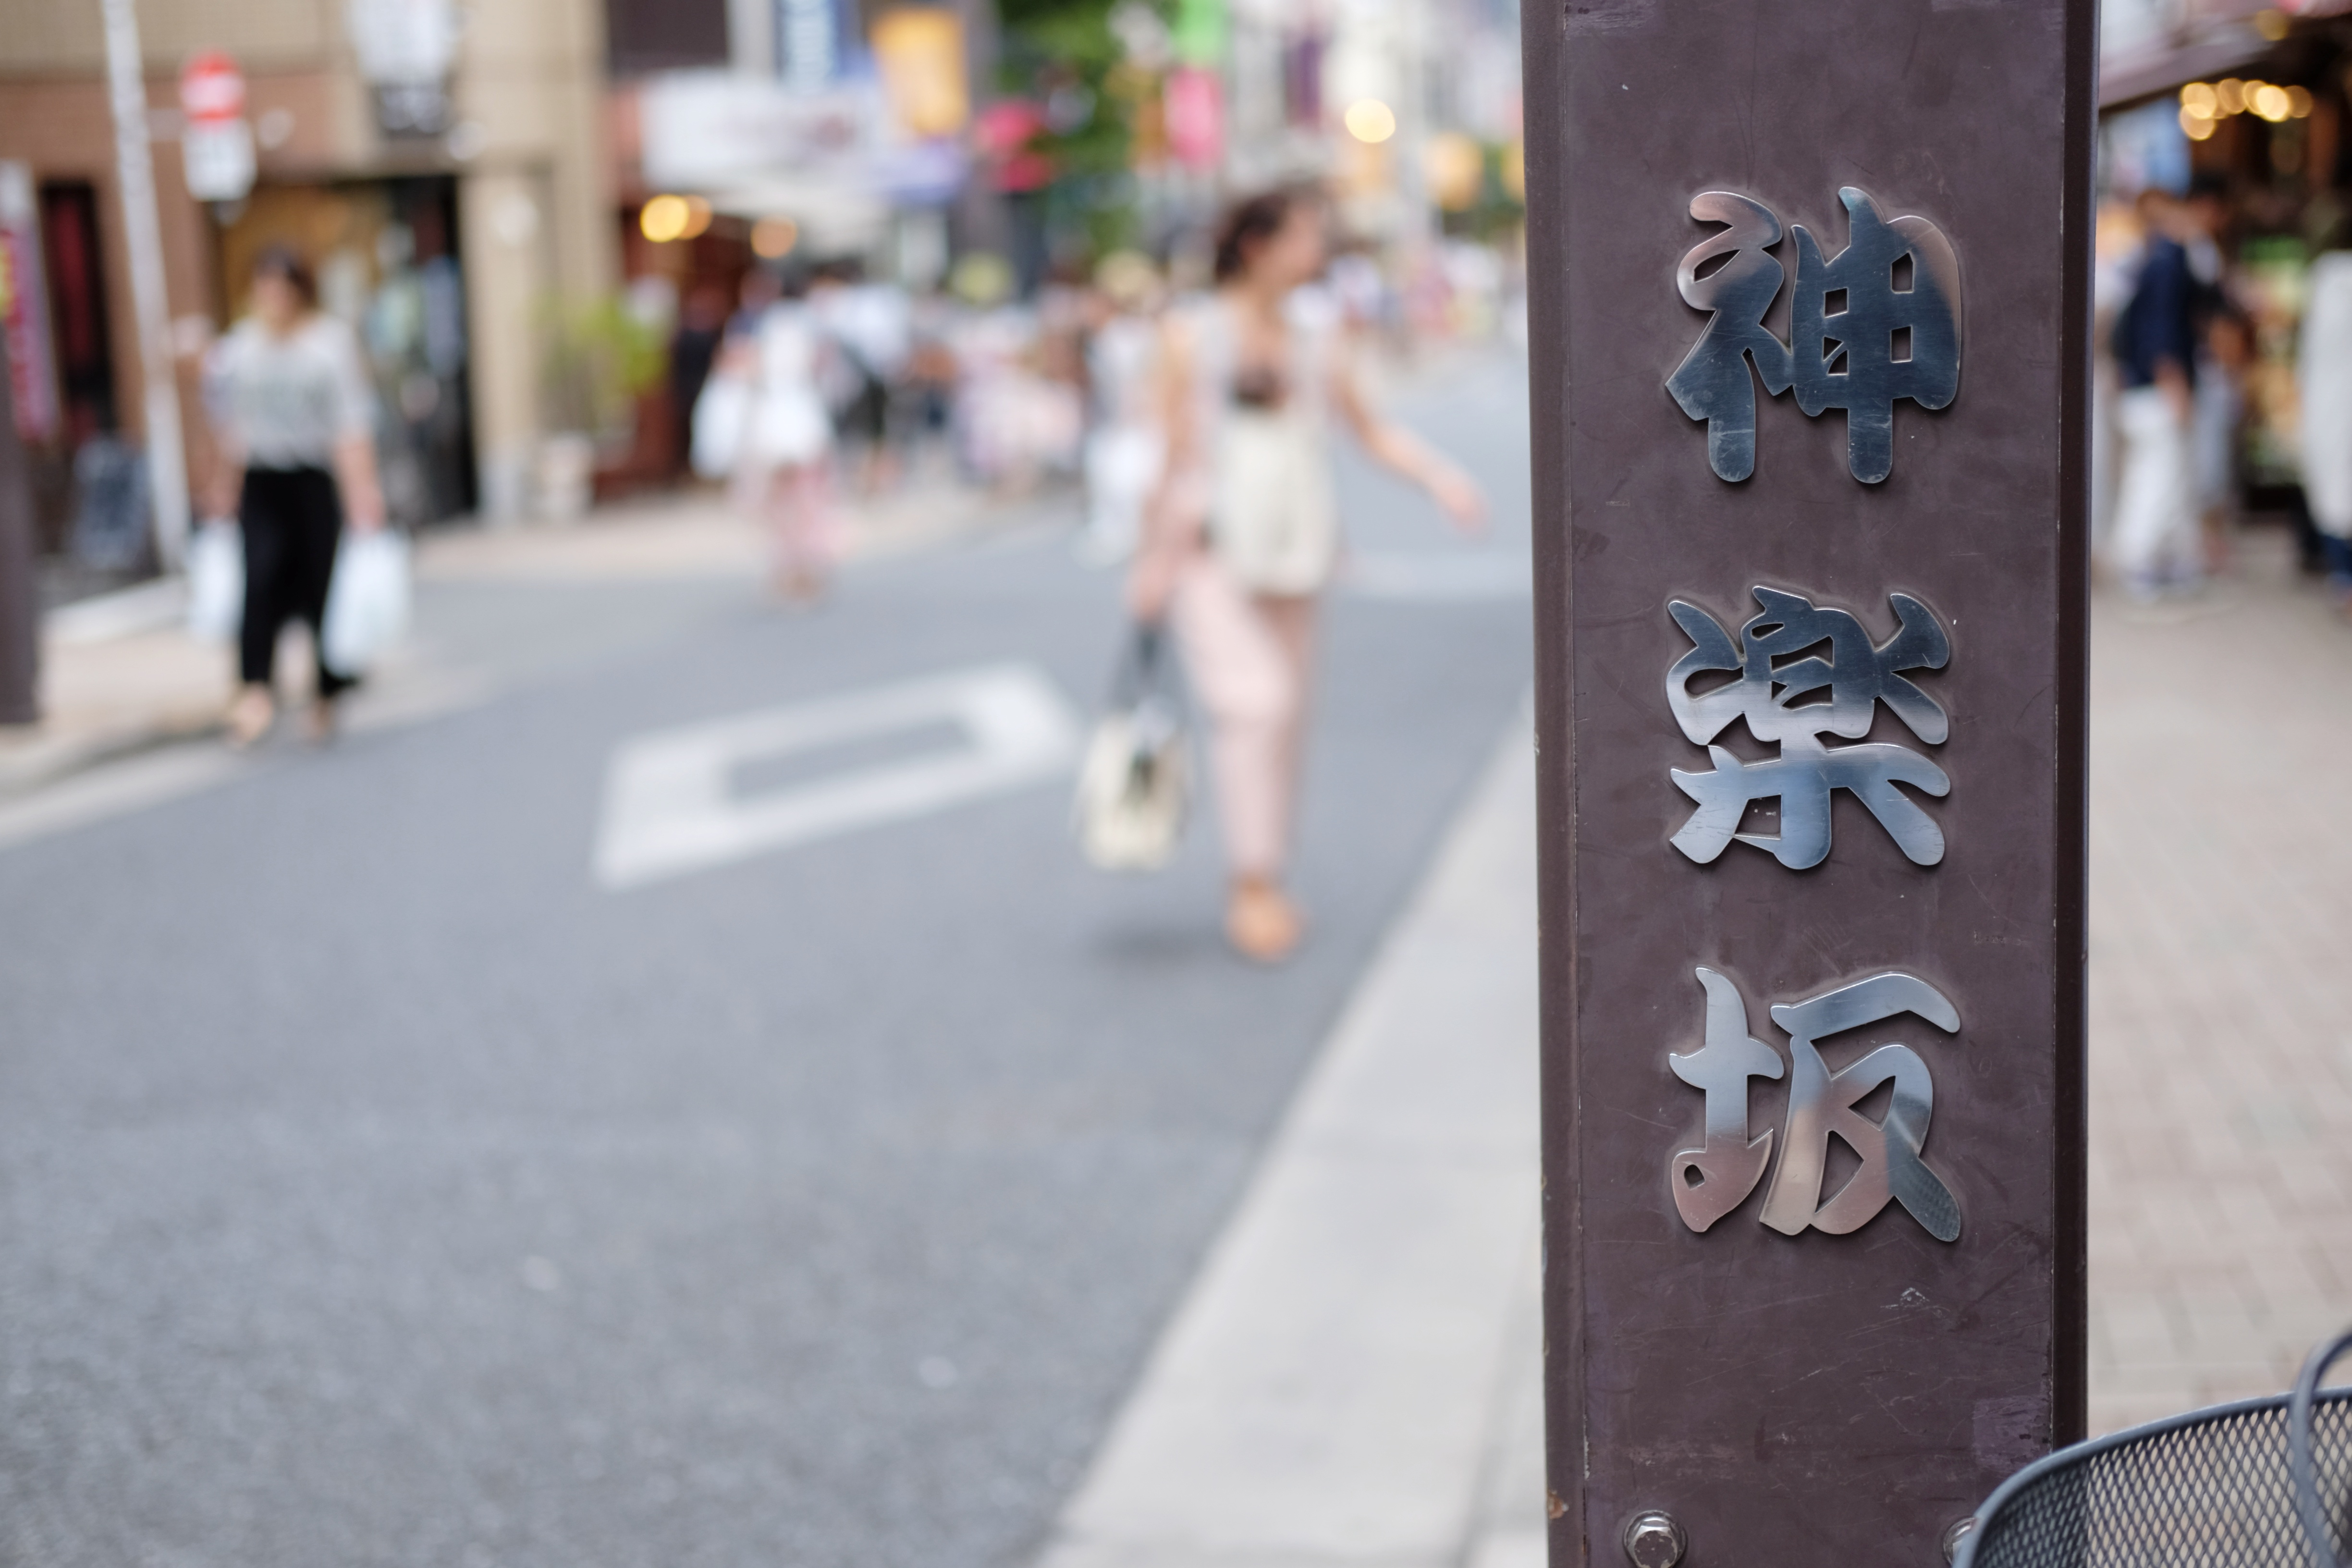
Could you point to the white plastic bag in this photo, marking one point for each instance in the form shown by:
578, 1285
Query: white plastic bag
215, 562
367, 602
721, 417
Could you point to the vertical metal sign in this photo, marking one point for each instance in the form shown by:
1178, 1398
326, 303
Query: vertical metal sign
1810, 293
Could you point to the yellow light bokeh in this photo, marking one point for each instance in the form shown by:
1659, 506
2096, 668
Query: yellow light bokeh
664, 218
1455, 166
2196, 127
772, 238
2271, 25
2229, 93
2298, 102
1370, 120
2198, 97
697, 218
2268, 101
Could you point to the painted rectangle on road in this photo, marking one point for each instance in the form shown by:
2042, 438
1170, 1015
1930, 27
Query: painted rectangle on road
671, 800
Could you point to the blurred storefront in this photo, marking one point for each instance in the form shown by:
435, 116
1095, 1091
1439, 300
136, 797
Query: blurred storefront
2246, 105
776, 132
440, 167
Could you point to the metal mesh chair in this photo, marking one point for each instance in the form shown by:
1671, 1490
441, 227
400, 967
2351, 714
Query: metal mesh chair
2264, 1483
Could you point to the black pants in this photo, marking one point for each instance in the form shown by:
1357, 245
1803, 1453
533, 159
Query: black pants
291, 518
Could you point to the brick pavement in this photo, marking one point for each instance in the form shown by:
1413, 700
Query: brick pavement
2221, 1179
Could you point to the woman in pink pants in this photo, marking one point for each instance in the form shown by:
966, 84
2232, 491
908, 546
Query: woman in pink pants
1243, 535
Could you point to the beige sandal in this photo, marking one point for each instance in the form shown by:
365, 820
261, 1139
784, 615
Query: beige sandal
1261, 922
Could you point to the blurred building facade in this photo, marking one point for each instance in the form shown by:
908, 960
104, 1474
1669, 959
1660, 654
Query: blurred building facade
443, 169
517, 204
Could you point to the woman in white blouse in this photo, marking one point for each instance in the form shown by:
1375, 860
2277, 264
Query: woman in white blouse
295, 420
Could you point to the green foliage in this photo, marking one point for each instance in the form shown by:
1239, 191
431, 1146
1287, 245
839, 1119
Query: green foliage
1062, 55
1497, 211
595, 360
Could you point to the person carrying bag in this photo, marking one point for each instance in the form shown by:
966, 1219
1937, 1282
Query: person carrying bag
1245, 532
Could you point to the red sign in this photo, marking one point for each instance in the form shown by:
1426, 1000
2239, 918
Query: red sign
24, 307
212, 89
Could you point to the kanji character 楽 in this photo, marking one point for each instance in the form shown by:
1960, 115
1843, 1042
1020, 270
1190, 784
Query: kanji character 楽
1858, 675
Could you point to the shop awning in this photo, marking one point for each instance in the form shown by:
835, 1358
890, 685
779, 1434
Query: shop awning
2221, 50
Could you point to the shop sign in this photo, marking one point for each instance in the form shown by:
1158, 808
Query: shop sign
706, 129
24, 307
919, 50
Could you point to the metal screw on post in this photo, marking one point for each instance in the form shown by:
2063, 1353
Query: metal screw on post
1654, 1539
1956, 1532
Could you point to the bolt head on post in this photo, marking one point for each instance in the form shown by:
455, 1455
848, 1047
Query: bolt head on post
1654, 1539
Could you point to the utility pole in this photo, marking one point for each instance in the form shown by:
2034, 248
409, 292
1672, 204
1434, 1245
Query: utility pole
167, 465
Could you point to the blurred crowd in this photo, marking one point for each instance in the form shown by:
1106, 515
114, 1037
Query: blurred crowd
822, 385
2223, 385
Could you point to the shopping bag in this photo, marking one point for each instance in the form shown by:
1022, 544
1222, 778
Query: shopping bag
1134, 784
367, 601
721, 416
215, 562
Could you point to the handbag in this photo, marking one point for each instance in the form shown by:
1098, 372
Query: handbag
1134, 785
367, 601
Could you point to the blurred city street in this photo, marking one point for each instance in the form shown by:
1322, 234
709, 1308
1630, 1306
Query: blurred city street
380, 1188
768, 774
914, 1194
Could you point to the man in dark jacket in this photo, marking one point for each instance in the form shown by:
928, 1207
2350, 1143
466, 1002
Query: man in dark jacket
2155, 345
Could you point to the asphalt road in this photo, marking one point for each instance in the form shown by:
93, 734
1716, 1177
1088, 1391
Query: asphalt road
376, 1187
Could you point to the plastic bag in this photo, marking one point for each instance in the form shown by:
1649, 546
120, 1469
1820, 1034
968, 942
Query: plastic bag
215, 562
367, 602
720, 416
1135, 785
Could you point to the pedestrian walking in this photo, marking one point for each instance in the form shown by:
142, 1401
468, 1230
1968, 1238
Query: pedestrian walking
2323, 367
1125, 447
2156, 538
294, 421
1244, 533
781, 457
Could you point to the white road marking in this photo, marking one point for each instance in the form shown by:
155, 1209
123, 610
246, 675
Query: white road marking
118, 789
670, 805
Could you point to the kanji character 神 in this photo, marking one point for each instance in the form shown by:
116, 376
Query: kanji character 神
1858, 675
1879, 322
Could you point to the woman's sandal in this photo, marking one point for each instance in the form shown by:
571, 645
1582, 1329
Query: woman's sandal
1261, 922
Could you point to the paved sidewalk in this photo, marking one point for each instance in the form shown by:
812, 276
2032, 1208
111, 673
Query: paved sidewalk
120, 676
2220, 1223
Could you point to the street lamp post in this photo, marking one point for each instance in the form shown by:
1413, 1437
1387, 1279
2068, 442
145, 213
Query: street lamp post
167, 468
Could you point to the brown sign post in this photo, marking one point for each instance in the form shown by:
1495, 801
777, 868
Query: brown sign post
1810, 288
